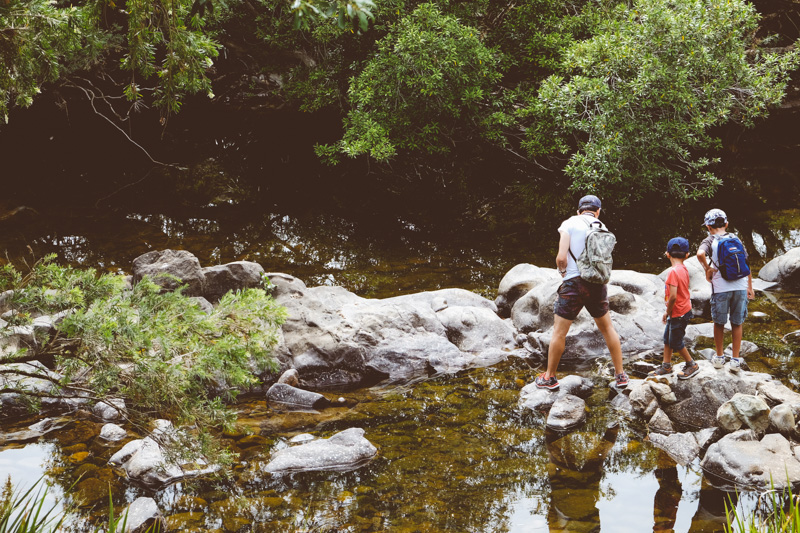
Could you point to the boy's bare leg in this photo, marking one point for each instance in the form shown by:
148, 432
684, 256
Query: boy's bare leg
685, 354
736, 339
667, 354
557, 342
719, 337
606, 327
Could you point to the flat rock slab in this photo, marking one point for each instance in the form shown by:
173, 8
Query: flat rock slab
346, 450
682, 447
568, 412
532, 397
740, 459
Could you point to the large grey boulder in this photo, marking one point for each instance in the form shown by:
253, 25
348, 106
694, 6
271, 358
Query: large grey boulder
694, 402
782, 420
346, 450
334, 337
635, 318
784, 269
476, 329
164, 266
220, 279
518, 281
648, 286
744, 411
13, 403
143, 514
741, 458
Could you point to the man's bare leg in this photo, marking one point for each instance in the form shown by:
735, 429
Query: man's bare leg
606, 327
556, 349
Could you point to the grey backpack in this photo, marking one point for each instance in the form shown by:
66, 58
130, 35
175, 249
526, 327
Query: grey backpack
595, 261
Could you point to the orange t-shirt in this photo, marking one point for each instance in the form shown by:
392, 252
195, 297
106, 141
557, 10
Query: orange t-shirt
678, 276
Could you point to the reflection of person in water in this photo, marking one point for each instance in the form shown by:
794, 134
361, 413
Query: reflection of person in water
710, 513
576, 469
668, 495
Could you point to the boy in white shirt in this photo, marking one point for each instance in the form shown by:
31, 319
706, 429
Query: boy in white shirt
728, 298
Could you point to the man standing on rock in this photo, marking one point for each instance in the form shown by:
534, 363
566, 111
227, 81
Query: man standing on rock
574, 293
731, 288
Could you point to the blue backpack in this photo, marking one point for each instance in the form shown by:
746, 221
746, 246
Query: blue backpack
731, 258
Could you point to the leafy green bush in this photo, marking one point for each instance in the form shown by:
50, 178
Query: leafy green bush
157, 350
639, 98
427, 80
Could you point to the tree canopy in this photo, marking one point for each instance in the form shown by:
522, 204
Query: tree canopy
621, 97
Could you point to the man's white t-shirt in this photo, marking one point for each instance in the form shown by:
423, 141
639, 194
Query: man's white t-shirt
578, 227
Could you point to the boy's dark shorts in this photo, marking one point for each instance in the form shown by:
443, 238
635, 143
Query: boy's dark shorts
676, 330
575, 293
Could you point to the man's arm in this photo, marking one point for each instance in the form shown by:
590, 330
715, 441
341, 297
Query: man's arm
751, 294
563, 250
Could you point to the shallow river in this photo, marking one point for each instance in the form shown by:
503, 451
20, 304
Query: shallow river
456, 453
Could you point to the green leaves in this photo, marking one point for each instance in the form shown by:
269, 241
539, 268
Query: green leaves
159, 351
642, 95
357, 13
429, 77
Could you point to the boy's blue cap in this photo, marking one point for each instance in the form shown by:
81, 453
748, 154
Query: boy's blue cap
678, 244
589, 201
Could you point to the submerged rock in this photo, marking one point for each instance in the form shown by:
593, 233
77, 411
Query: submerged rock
112, 432
143, 514
145, 461
345, 450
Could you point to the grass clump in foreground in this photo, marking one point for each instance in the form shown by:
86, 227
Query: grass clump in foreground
159, 351
782, 514
27, 513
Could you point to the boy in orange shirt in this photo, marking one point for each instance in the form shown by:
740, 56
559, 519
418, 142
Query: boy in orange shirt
679, 311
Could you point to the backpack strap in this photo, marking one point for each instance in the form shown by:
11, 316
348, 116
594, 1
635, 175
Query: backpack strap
716, 238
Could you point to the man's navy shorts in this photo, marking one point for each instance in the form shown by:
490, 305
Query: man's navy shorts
575, 293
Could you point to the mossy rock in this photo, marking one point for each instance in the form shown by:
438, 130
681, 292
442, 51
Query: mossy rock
91, 492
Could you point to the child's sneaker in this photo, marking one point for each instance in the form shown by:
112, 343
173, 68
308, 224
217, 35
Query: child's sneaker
621, 380
735, 364
542, 383
718, 361
689, 370
664, 370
